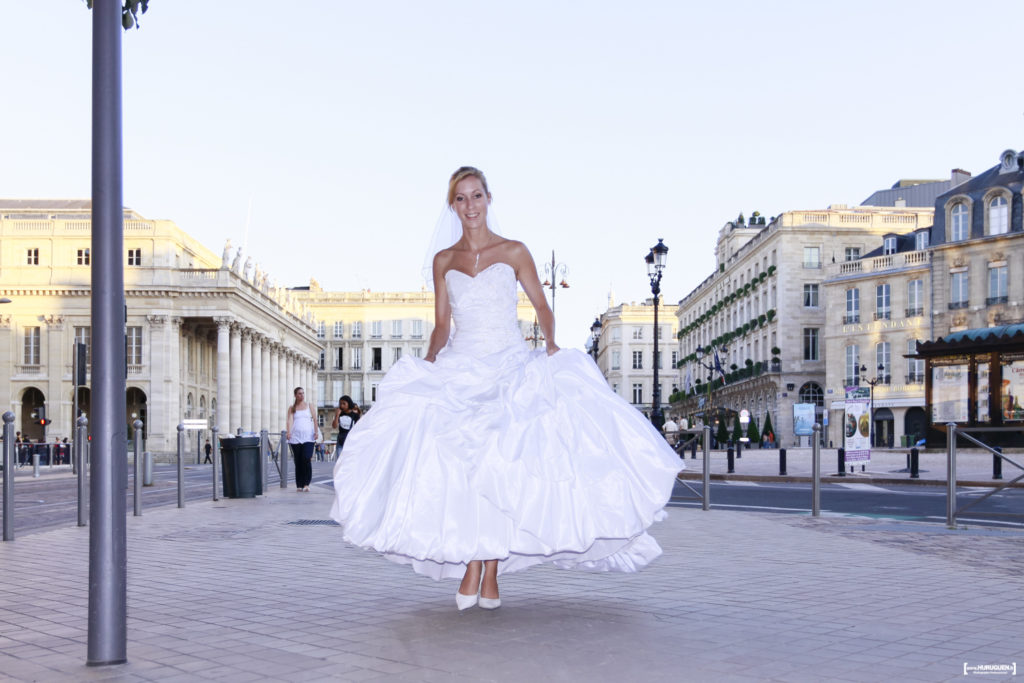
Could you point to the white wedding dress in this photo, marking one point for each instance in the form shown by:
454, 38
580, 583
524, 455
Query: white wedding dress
495, 451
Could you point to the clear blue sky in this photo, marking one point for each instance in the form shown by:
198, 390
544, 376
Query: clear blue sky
601, 126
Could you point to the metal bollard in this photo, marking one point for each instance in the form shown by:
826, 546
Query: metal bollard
914, 470
137, 468
264, 444
35, 465
706, 476
693, 450
181, 465
81, 446
739, 450
782, 462
216, 460
816, 472
147, 469
282, 445
951, 475
8, 476
841, 462
730, 458
997, 463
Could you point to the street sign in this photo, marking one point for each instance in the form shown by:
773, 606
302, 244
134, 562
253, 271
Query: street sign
195, 424
744, 416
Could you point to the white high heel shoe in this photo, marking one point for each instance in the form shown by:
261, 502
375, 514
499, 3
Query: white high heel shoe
489, 603
466, 601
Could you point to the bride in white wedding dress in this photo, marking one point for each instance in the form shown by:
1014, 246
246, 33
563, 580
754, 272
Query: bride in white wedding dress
485, 457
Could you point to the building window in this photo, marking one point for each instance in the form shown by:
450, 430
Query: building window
638, 360
852, 306
997, 293
852, 366
83, 257
339, 329
915, 366
812, 257
921, 240
417, 351
657, 359
810, 296
396, 329
958, 284
320, 420
638, 333
32, 257
376, 329
675, 359
998, 222
958, 230
638, 393
811, 343
417, 329
377, 362
338, 365
915, 298
83, 335
889, 245
616, 360
321, 330
883, 358
31, 356
396, 355
883, 300
357, 359
852, 253
338, 387
134, 346
321, 393
373, 393
322, 363
357, 330
812, 393
135, 257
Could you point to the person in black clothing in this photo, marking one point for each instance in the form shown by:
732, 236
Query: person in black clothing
345, 416
208, 448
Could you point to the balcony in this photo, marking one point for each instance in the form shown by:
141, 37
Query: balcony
851, 382
883, 315
812, 264
915, 378
850, 319
993, 300
957, 305
915, 312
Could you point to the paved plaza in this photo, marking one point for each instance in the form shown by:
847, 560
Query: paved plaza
265, 590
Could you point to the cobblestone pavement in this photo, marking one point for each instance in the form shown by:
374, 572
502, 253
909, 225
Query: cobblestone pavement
237, 590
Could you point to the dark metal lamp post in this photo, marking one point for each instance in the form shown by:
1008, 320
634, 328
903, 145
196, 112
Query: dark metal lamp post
595, 337
879, 379
655, 260
553, 271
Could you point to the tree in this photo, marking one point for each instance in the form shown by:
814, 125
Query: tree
767, 429
752, 433
737, 429
723, 433
129, 12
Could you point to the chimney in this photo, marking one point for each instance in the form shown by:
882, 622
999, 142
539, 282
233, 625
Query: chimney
959, 176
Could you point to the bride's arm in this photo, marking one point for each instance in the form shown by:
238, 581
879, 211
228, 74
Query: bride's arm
442, 310
526, 271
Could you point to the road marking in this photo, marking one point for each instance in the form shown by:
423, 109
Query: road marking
742, 482
863, 487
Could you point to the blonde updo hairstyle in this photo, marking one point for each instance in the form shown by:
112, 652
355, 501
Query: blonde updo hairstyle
460, 175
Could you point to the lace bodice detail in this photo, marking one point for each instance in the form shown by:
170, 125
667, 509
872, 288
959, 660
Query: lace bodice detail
484, 310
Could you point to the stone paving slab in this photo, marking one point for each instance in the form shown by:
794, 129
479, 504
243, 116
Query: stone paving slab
234, 591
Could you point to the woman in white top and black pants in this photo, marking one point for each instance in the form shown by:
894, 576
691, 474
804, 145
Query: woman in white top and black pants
301, 436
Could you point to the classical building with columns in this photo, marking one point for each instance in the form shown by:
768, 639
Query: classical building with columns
364, 333
206, 337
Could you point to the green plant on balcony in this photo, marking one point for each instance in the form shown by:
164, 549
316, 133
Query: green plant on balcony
771, 270
770, 314
762, 319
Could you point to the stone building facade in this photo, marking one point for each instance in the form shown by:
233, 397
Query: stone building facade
206, 336
765, 304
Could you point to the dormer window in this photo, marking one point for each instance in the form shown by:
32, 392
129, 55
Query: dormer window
958, 231
998, 218
889, 246
921, 240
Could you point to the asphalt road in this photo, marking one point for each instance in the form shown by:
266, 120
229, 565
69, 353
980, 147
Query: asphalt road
916, 503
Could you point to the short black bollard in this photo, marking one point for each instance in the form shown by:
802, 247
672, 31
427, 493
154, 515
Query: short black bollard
693, 450
997, 463
841, 462
782, 462
739, 449
914, 471
730, 457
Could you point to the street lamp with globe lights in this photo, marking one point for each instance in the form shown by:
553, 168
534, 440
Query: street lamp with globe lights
879, 379
655, 260
595, 337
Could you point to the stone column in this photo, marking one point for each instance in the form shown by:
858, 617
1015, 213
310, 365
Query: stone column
265, 384
223, 375
257, 382
160, 426
52, 358
275, 388
175, 397
246, 417
235, 414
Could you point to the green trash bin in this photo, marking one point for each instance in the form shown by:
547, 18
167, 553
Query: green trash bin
240, 463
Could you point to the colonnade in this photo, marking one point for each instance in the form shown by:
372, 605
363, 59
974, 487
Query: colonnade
255, 379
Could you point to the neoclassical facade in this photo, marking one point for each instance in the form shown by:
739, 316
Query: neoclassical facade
765, 304
364, 333
206, 337
625, 352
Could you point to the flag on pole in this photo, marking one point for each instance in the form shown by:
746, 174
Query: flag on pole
688, 381
718, 367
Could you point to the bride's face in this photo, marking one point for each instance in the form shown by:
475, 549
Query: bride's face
471, 202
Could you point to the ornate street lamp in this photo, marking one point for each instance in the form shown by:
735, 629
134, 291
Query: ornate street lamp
595, 337
879, 379
553, 271
655, 260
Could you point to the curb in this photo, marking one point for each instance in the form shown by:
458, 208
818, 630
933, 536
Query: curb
833, 479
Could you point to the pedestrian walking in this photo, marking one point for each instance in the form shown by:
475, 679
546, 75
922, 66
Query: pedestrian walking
208, 448
301, 435
345, 417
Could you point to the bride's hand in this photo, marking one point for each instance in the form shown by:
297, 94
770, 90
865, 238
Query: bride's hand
553, 349
430, 358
